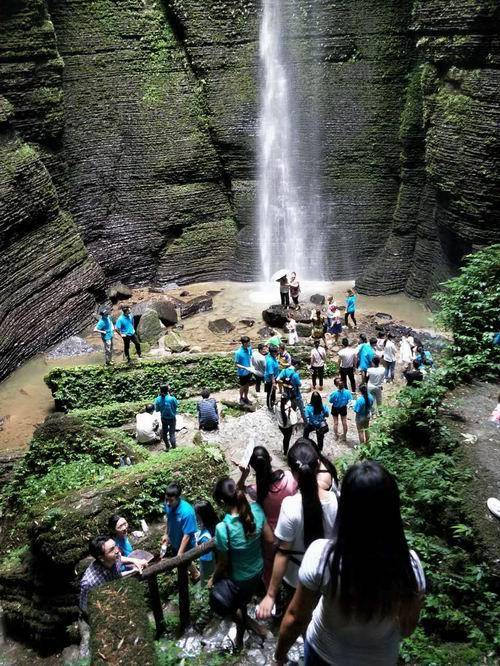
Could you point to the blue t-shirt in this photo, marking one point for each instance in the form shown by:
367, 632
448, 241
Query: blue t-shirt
272, 368
124, 546
427, 360
202, 536
350, 304
246, 552
243, 357
181, 521
360, 406
340, 398
291, 375
105, 325
316, 420
125, 324
167, 406
365, 356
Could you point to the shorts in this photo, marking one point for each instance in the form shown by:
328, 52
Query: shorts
245, 380
362, 422
339, 411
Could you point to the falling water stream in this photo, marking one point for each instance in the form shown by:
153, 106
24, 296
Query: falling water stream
280, 225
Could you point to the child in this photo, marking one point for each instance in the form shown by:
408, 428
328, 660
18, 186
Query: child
207, 520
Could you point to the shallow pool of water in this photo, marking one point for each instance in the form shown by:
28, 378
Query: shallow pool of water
25, 400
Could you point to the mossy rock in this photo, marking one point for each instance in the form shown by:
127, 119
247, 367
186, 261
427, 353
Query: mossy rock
118, 413
120, 632
88, 386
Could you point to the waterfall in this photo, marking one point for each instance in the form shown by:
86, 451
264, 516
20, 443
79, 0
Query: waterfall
282, 228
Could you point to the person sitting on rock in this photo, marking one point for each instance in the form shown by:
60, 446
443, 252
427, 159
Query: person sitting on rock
208, 415
125, 328
105, 327
167, 405
413, 376
148, 426
105, 567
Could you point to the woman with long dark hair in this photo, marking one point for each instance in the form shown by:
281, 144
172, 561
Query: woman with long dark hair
270, 489
304, 517
238, 539
363, 410
316, 414
207, 520
371, 584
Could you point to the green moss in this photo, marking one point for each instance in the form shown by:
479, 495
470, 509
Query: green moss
88, 386
454, 106
118, 413
118, 617
412, 116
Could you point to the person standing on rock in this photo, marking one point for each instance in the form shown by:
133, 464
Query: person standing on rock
350, 308
259, 364
339, 399
167, 405
285, 291
375, 376
366, 354
105, 327
243, 362
271, 375
318, 326
348, 360
290, 383
294, 290
390, 353
318, 360
125, 328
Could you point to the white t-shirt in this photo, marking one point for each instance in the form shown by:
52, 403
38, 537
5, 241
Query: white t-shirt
290, 528
145, 427
375, 377
318, 357
390, 351
341, 641
347, 355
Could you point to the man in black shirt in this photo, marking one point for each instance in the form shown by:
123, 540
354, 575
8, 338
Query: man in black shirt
414, 375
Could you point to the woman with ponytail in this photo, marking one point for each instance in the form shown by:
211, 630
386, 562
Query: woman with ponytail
238, 540
371, 585
270, 489
304, 517
363, 409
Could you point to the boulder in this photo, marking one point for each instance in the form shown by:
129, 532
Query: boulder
118, 291
303, 315
214, 292
266, 332
195, 350
247, 321
166, 310
184, 293
195, 305
304, 330
275, 315
149, 328
220, 326
317, 299
138, 309
175, 343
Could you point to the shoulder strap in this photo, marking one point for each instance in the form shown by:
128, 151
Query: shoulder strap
290, 554
229, 567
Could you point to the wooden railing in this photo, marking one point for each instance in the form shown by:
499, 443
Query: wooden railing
181, 563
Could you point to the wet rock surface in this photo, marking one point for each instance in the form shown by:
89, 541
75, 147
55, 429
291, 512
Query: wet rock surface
72, 346
220, 326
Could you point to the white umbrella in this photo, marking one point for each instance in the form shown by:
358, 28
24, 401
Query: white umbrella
279, 274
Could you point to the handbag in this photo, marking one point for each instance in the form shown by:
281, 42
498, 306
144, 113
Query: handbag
224, 597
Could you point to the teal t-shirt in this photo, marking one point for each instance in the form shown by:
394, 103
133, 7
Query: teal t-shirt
246, 552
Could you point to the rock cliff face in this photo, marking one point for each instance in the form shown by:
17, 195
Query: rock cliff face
128, 145
47, 279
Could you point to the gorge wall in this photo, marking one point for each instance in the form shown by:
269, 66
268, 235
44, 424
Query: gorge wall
128, 137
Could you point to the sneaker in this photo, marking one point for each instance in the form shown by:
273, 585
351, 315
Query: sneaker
494, 506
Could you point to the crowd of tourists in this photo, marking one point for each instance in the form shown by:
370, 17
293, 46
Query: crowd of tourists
294, 538
297, 543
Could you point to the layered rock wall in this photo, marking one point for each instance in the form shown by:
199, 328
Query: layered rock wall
48, 282
449, 199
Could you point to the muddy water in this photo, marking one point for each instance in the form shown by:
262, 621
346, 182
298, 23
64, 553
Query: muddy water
25, 400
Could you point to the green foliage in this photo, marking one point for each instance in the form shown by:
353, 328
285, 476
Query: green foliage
411, 123
460, 617
118, 413
119, 625
90, 386
470, 306
62, 478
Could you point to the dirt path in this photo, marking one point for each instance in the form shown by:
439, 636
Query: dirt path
470, 407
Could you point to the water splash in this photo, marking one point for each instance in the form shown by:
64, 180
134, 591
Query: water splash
280, 225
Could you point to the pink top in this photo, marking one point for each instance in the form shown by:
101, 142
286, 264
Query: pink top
285, 487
